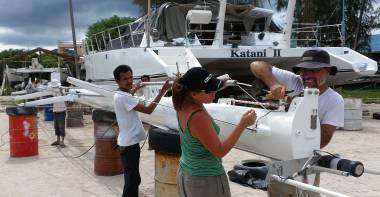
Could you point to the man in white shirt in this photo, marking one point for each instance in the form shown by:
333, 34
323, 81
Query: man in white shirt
59, 110
130, 126
313, 72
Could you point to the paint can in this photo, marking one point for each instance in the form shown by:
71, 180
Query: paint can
23, 132
353, 114
107, 159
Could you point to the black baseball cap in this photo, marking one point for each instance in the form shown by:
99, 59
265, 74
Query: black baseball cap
197, 78
315, 58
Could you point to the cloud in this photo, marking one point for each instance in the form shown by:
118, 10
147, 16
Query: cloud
31, 23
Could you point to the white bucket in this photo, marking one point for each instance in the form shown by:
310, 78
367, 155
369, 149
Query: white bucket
353, 114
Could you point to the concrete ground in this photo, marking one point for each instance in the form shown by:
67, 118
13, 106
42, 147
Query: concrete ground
56, 171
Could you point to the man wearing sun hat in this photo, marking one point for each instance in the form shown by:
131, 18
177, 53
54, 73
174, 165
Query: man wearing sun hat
312, 72
59, 110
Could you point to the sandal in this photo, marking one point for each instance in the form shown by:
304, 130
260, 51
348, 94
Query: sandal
62, 145
54, 143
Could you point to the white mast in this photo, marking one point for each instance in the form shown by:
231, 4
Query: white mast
289, 22
147, 30
218, 42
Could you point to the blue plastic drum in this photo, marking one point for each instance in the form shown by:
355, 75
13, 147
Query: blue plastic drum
49, 114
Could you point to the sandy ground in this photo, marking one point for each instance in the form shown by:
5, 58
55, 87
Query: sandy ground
55, 171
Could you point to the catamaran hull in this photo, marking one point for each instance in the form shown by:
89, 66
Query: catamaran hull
234, 61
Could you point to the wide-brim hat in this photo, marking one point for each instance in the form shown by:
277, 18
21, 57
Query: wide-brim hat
197, 79
315, 58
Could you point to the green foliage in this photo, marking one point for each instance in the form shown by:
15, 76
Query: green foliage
9, 53
48, 60
108, 23
330, 12
369, 21
366, 94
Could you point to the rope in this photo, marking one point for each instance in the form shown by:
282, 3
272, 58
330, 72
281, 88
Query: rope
93, 145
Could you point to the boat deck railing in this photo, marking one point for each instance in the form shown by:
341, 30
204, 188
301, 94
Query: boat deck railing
122, 36
131, 36
198, 34
314, 35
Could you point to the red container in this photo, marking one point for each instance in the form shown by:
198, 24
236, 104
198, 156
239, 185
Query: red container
23, 135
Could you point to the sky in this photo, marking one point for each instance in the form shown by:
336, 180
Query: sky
41, 23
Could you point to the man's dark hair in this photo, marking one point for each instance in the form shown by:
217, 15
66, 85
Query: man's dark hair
145, 77
121, 69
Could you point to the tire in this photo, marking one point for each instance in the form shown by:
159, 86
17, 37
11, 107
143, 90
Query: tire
164, 140
17, 111
376, 115
258, 168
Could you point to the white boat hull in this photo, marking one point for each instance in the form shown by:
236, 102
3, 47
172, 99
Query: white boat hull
235, 62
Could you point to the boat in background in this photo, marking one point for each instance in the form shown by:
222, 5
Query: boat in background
20, 77
19, 74
220, 36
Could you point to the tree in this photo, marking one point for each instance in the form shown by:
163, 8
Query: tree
108, 23
9, 53
361, 18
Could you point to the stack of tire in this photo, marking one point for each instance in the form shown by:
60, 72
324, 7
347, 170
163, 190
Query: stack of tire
166, 145
166, 141
251, 173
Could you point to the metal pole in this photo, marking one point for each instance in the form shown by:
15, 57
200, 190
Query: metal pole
332, 171
308, 187
289, 22
131, 33
218, 41
343, 27
110, 39
374, 172
148, 26
77, 69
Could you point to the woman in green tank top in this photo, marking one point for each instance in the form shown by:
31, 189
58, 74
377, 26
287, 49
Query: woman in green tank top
201, 172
